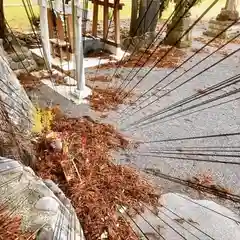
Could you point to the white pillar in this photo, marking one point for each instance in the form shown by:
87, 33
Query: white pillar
58, 5
45, 32
78, 47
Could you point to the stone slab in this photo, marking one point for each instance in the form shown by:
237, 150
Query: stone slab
70, 65
69, 91
215, 27
190, 218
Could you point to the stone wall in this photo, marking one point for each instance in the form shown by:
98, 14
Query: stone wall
19, 56
16, 115
133, 44
43, 207
13, 97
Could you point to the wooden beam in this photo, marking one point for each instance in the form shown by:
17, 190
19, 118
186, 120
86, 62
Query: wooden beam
95, 19
105, 19
60, 30
110, 5
70, 31
50, 23
117, 23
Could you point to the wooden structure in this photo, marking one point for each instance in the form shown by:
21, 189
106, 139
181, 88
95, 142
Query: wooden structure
107, 4
60, 36
60, 26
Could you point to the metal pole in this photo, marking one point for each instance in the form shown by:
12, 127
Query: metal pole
77, 20
45, 32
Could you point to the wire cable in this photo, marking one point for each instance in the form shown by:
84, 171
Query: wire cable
214, 88
233, 92
220, 214
186, 32
193, 138
162, 157
189, 223
186, 81
189, 79
211, 190
176, 10
185, 61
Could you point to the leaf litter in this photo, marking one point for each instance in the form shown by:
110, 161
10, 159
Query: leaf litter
10, 226
108, 99
96, 186
161, 57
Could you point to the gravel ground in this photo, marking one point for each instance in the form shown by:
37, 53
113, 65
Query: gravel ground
220, 119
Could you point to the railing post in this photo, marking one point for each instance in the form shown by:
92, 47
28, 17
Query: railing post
78, 46
45, 32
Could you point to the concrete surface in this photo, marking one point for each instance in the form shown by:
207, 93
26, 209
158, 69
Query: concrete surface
219, 119
181, 217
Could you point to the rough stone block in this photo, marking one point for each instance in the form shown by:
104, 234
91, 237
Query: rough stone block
177, 35
47, 204
216, 27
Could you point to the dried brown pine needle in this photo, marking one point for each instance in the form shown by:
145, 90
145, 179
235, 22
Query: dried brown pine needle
102, 185
206, 180
10, 227
150, 57
107, 99
217, 42
100, 78
101, 54
28, 81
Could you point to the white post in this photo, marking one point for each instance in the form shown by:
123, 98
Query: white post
80, 76
58, 4
78, 47
45, 32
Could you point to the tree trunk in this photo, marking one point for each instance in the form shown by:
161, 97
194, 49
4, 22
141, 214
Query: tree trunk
150, 10
2, 21
152, 16
134, 14
177, 31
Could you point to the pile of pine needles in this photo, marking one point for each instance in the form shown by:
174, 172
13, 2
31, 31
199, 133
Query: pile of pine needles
161, 57
150, 57
218, 42
107, 99
29, 82
100, 78
97, 187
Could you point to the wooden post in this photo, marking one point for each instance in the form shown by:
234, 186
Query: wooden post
50, 23
105, 19
60, 30
70, 31
117, 22
95, 19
